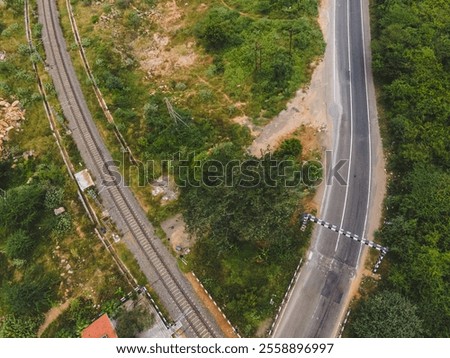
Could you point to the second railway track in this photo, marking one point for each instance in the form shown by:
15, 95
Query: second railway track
168, 282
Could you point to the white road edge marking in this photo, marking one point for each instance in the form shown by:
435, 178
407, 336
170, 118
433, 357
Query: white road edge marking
334, 52
351, 125
326, 195
368, 125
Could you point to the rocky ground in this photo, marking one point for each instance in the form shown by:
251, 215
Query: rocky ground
11, 116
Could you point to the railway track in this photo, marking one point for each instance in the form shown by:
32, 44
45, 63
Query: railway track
161, 269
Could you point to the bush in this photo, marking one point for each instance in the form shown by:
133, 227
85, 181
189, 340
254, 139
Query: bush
290, 148
219, 29
19, 245
64, 224
131, 323
386, 315
20, 327
30, 296
22, 206
123, 4
53, 198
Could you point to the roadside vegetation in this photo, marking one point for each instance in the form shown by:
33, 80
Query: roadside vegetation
246, 226
412, 66
214, 61
45, 259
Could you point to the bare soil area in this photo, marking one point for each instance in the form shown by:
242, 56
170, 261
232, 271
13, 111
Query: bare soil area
156, 54
175, 229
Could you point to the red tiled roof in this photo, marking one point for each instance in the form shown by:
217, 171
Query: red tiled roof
101, 328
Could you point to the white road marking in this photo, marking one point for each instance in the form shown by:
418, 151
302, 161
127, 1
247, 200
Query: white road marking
334, 52
310, 255
351, 124
336, 128
370, 138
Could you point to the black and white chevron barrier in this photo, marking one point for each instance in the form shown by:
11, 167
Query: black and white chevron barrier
383, 250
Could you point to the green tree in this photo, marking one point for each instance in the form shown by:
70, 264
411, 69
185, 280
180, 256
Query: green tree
130, 323
387, 315
21, 206
16, 5
236, 198
219, 29
30, 296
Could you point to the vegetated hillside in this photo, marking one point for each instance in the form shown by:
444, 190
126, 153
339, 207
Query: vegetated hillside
215, 60
45, 260
412, 65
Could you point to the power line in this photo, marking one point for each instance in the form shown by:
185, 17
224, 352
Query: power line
173, 114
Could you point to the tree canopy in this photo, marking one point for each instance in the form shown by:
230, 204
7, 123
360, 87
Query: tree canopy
130, 323
412, 66
387, 315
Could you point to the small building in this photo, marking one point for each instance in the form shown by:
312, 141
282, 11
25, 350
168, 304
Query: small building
84, 179
100, 328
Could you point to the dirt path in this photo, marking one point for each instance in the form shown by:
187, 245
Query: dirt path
222, 322
228, 99
240, 13
51, 315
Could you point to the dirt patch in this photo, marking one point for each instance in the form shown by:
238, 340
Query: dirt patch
264, 328
202, 7
156, 54
168, 15
159, 59
175, 229
310, 139
51, 315
247, 122
226, 328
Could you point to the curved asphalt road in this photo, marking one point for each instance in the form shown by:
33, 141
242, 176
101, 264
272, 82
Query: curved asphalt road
317, 301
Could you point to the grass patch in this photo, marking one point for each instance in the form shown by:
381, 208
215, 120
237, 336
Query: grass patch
127, 257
